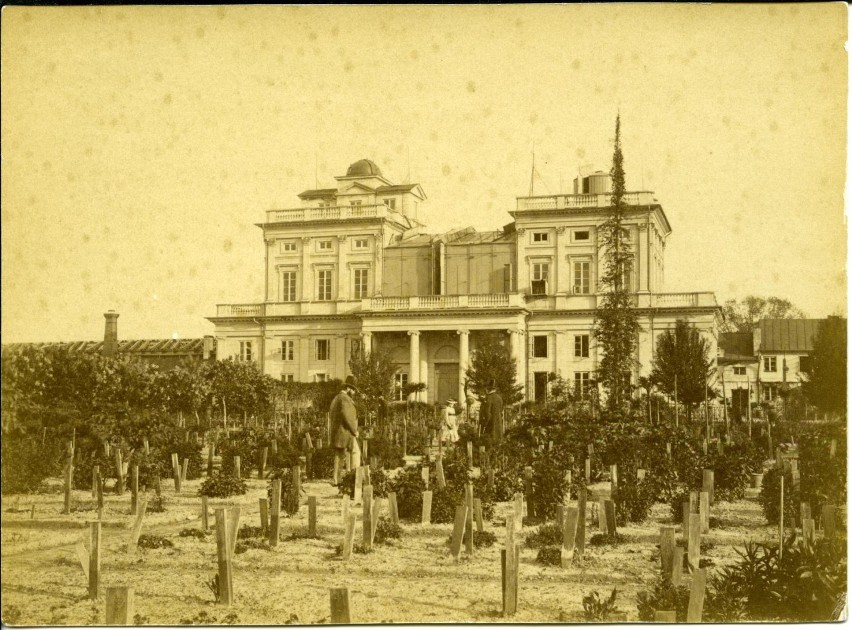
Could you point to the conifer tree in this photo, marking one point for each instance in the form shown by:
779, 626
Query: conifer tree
616, 326
683, 354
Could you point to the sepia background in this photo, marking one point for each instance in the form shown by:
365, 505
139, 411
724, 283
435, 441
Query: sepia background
142, 144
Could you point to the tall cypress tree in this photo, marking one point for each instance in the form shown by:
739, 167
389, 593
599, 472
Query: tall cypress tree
616, 326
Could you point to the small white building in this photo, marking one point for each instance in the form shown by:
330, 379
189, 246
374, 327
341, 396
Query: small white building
354, 267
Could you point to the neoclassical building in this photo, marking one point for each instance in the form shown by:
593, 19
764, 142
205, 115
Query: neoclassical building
353, 267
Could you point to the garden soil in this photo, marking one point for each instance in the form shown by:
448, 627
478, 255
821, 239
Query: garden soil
412, 580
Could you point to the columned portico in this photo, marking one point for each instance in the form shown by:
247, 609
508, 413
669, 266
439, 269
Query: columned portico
464, 355
414, 360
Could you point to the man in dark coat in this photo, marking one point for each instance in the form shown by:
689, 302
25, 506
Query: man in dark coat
344, 428
491, 414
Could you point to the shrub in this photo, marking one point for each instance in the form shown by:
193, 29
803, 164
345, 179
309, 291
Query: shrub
408, 486
222, 486
549, 484
250, 531
386, 530
192, 532
770, 496
151, 467
823, 478
599, 540
152, 541
251, 543
633, 500
378, 479
483, 539
26, 463
546, 535
289, 496
243, 444
665, 596
185, 449
550, 556
595, 609
82, 474
322, 463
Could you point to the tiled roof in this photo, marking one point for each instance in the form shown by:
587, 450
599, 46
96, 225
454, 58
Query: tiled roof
130, 346
737, 345
318, 192
788, 335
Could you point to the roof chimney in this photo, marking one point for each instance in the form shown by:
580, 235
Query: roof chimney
110, 348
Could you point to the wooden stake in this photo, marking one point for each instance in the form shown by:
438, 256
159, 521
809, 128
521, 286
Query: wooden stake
137, 525
100, 493
119, 467
694, 541
613, 476
458, 531
781, 521
264, 513
640, 474
424, 475
94, 559
261, 469
205, 523
237, 472
808, 528
519, 511
134, 490
145, 446
69, 478
470, 454
477, 514
696, 596
348, 536
296, 487
667, 549
377, 508
588, 471
805, 511
569, 536
677, 566
828, 523
367, 517
83, 557
176, 471
312, 516
609, 507
468, 501
580, 539
210, 450
509, 560
183, 470
32, 512
602, 516
392, 508
426, 514
359, 482
275, 513
339, 598
665, 616
528, 489
708, 483
233, 528
439, 471
119, 606
704, 511
223, 556
96, 471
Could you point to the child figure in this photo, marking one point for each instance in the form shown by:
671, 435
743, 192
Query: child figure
450, 428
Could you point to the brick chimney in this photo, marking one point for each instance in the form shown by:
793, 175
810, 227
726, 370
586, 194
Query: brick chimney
110, 348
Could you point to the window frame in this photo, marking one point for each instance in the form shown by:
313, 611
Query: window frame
288, 247
246, 351
360, 239
288, 377
365, 289
291, 345
535, 349
540, 237
576, 239
585, 343
317, 357
739, 370
321, 294
584, 379
585, 287
400, 380
321, 245
283, 284
770, 360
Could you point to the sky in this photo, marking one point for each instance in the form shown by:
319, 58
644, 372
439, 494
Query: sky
141, 145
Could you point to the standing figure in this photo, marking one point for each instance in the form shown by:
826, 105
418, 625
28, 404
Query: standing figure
491, 414
450, 425
344, 429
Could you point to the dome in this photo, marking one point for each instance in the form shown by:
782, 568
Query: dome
363, 167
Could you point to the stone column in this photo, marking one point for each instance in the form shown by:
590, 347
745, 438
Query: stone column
424, 368
519, 353
307, 284
464, 359
366, 342
414, 359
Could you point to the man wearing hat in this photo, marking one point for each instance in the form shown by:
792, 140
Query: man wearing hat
344, 428
491, 415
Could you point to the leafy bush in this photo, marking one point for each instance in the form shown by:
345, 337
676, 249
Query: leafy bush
152, 541
185, 449
222, 486
550, 556
599, 540
633, 500
386, 530
548, 534
26, 463
483, 539
595, 609
250, 531
378, 479
289, 498
770, 496
823, 478
802, 586
251, 543
665, 596
549, 484
323, 463
192, 532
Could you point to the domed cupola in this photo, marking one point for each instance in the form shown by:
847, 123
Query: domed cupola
363, 168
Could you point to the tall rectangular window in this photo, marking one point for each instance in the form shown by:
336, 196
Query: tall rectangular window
540, 272
361, 279
400, 380
581, 384
582, 276
288, 350
322, 349
324, 285
288, 286
540, 346
246, 351
581, 346
770, 364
